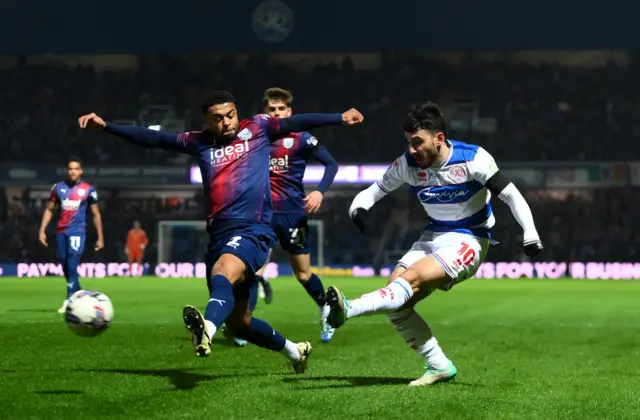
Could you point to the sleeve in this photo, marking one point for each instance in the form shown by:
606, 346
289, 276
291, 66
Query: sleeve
521, 212
483, 166
393, 178
53, 197
277, 127
145, 137
485, 170
322, 155
93, 195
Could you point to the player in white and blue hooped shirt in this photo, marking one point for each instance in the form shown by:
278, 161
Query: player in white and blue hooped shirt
454, 182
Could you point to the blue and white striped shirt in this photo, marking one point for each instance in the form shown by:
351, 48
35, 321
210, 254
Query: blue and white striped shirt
453, 194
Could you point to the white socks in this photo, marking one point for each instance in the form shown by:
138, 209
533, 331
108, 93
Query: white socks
210, 329
324, 311
417, 334
389, 298
290, 351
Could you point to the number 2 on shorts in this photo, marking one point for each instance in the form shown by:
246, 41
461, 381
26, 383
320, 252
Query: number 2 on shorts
234, 242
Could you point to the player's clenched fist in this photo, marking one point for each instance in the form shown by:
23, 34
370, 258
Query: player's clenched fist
92, 122
352, 117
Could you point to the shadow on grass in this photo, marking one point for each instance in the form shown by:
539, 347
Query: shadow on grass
314, 382
352, 381
58, 392
180, 379
217, 341
33, 310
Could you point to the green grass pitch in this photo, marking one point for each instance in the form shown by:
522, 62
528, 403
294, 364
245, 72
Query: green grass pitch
525, 349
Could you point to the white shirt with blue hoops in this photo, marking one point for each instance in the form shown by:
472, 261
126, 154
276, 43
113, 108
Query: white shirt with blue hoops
453, 193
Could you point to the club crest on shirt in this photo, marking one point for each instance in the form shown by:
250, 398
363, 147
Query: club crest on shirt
457, 174
81, 192
245, 134
287, 143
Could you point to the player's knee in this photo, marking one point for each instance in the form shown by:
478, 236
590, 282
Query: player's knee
303, 276
397, 272
229, 266
412, 277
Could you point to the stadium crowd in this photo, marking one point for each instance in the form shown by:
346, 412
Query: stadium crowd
546, 110
596, 225
541, 113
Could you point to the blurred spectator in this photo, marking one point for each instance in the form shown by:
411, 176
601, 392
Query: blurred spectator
587, 225
553, 113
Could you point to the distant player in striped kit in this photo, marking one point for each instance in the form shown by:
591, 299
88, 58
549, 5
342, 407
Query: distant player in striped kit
73, 196
454, 182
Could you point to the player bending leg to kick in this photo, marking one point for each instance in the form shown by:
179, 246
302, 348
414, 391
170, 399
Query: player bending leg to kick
290, 155
233, 157
72, 195
454, 181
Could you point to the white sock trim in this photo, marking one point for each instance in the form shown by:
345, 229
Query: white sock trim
405, 286
291, 352
210, 329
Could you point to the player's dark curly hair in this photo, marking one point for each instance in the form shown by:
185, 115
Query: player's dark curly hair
74, 159
216, 97
425, 116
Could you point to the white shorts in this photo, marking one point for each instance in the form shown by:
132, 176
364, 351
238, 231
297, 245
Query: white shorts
460, 255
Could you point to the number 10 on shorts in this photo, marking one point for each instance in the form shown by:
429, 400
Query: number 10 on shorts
466, 255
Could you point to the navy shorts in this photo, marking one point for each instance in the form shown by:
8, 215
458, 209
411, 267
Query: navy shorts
291, 230
247, 240
70, 244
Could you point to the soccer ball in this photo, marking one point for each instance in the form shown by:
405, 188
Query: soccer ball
88, 313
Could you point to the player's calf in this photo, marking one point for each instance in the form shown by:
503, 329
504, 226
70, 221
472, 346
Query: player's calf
417, 334
301, 265
419, 280
258, 332
226, 271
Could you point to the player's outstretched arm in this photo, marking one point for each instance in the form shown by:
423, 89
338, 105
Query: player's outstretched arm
46, 218
486, 172
305, 122
137, 135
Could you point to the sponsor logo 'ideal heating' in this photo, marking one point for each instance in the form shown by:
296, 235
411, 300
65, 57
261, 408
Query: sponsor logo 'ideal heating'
68, 204
228, 153
279, 164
